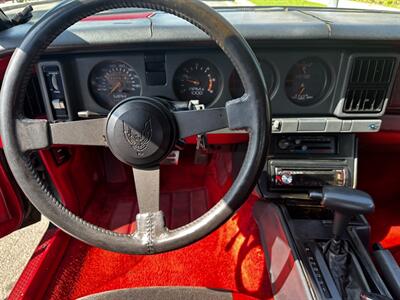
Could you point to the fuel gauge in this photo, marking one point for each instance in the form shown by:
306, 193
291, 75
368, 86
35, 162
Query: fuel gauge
307, 81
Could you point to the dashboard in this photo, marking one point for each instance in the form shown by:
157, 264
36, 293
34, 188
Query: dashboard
300, 79
320, 78
300, 83
303, 79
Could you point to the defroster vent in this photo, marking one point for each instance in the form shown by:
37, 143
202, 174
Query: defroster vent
370, 80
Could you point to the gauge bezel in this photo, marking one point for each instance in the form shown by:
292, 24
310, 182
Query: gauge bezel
102, 64
325, 91
221, 79
272, 89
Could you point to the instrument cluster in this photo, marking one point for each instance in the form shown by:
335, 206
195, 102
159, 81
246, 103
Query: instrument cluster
304, 83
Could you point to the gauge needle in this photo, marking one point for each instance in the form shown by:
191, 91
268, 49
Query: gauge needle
195, 82
115, 87
302, 89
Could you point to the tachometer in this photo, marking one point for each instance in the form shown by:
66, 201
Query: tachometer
307, 81
112, 82
197, 79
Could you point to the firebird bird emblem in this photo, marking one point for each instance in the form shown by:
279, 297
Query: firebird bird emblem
139, 141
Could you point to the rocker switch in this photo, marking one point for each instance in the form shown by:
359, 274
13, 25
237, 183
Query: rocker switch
55, 91
58, 104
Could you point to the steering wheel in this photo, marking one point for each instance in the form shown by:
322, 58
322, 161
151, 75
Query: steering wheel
140, 131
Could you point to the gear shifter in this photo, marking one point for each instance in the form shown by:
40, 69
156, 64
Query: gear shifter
346, 203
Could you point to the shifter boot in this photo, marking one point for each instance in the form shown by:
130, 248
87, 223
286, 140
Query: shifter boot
343, 269
337, 258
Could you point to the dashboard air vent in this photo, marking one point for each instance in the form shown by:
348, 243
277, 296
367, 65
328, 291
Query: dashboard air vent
34, 105
370, 80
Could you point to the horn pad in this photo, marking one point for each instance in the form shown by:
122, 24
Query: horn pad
141, 132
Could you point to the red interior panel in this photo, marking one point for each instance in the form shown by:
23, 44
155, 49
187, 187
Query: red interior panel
77, 178
36, 276
221, 138
11, 209
3, 65
379, 163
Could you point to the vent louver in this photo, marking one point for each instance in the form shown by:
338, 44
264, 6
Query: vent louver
370, 79
34, 105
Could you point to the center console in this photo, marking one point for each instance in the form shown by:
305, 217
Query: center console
311, 222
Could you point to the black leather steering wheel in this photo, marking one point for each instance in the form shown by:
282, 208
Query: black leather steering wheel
154, 122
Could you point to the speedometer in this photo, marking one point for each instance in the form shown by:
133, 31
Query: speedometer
112, 82
197, 79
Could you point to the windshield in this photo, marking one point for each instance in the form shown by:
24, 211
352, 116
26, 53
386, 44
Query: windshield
12, 7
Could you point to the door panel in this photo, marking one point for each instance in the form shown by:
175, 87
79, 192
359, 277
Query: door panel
11, 208
4, 212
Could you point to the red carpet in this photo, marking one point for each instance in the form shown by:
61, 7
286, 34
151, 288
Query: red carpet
231, 258
379, 164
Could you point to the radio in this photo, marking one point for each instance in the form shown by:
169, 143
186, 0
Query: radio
303, 175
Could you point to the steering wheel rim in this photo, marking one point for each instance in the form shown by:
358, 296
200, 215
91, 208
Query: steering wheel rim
252, 112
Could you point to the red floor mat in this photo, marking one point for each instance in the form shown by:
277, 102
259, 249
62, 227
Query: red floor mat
231, 258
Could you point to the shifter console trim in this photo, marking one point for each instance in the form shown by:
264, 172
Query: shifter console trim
318, 268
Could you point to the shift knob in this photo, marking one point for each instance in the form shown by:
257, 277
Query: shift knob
346, 202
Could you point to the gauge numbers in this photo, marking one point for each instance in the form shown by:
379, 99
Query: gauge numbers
112, 82
197, 79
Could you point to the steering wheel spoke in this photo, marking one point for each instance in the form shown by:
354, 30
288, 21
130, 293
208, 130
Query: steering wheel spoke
147, 184
193, 122
85, 132
150, 224
40, 134
240, 112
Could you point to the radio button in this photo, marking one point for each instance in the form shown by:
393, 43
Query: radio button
287, 179
284, 144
